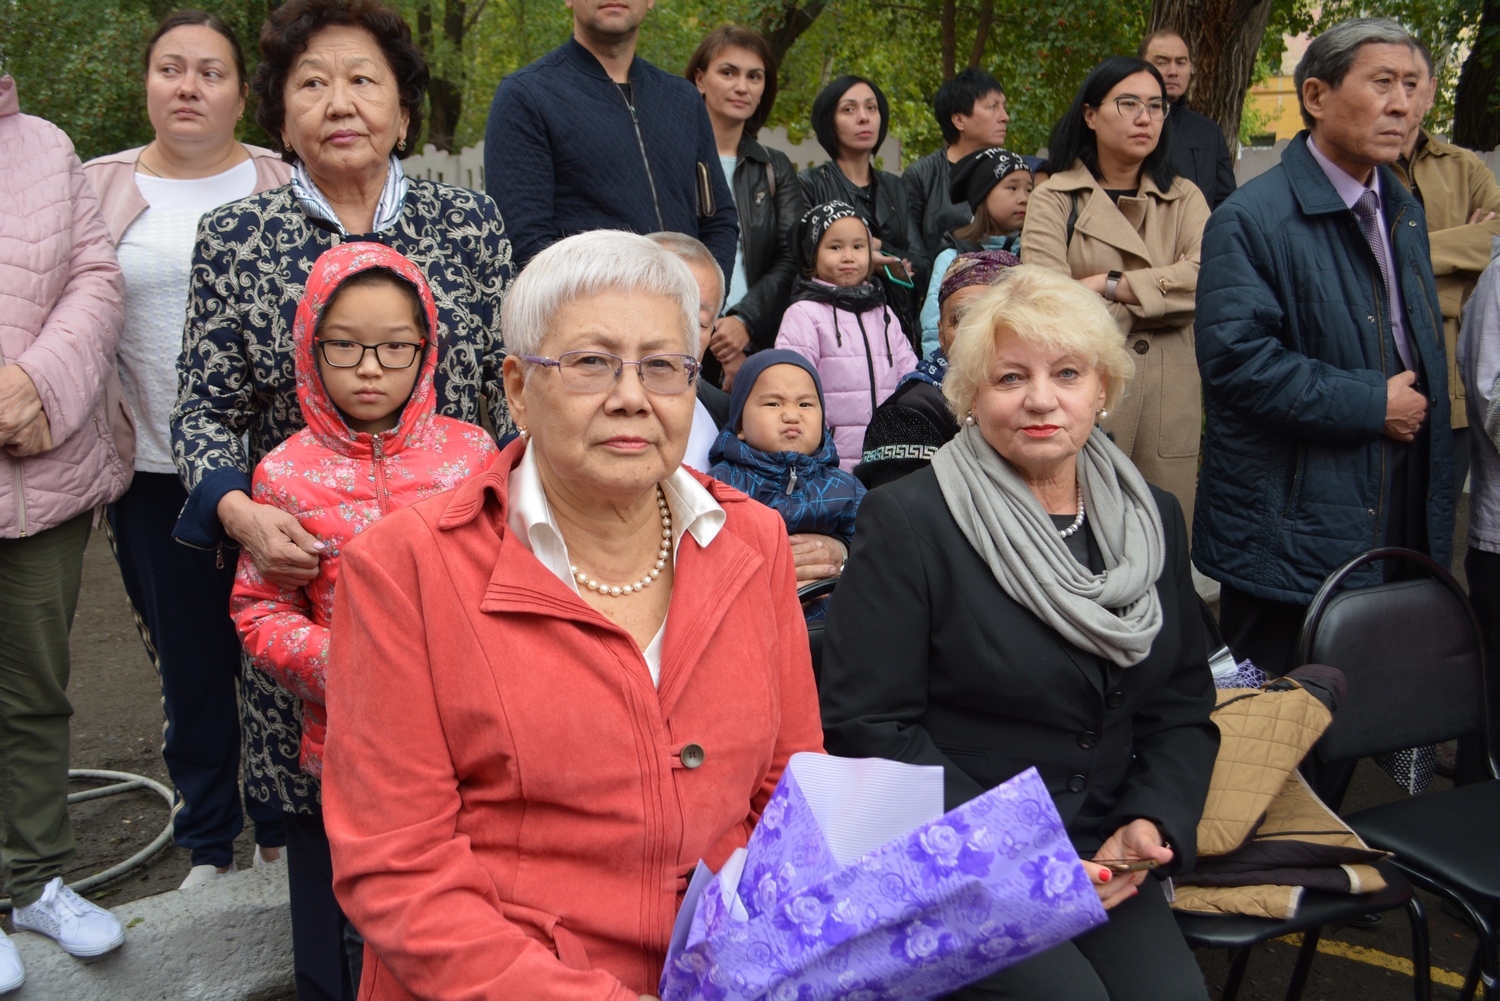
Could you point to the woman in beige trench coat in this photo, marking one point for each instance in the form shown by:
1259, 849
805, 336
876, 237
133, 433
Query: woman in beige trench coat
1116, 218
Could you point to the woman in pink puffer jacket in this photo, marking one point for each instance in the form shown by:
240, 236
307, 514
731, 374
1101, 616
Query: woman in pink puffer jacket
839, 321
61, 435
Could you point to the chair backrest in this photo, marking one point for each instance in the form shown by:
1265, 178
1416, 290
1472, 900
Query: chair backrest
808, 593
1412, 653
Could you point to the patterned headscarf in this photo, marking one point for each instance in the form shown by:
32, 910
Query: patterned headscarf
815, 222
982, 267
976, 174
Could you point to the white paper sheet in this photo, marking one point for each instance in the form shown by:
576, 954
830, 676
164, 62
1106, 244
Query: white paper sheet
862, 803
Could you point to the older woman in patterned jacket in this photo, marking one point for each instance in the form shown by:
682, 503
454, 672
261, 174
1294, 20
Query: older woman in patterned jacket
340, 89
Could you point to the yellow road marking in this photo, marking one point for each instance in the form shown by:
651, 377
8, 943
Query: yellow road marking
1374, 957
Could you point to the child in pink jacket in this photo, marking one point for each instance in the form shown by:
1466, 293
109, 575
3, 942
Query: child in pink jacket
839, 321
365, 353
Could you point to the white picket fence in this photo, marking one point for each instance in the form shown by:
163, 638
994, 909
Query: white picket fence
466, 167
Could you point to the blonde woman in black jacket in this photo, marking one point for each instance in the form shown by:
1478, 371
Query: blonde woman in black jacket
1026, 601
735, 71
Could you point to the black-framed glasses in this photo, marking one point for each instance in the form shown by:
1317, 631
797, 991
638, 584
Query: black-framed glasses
351, 354
597, 371
1130, 108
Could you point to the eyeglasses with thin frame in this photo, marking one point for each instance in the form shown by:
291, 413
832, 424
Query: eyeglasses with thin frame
596, 371
1130, 106
392, 355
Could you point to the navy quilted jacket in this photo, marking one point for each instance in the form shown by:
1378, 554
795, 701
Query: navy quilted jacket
562, 156
810, 492
1295, 351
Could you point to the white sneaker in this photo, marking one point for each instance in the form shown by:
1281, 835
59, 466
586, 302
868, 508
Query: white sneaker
199, 875
260, 857
80, 927
11, 973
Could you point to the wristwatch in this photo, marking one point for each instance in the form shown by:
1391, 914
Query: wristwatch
1112, 282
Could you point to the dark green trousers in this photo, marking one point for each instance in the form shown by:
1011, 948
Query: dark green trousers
39, 578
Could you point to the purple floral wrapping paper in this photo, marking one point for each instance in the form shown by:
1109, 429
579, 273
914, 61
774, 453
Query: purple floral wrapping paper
988, 884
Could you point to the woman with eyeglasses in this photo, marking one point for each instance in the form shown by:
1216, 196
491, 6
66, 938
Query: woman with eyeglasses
554, 690
340, 89
1117, 217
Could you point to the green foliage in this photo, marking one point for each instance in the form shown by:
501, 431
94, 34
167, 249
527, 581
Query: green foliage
77, 63
1446, 26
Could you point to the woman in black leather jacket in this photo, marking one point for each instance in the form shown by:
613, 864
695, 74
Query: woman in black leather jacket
735, 71
850, 117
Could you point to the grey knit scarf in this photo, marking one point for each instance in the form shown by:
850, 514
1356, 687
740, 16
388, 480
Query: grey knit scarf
1116, 614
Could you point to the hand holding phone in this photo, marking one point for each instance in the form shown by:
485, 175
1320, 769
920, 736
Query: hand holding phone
1122, 865
897, 273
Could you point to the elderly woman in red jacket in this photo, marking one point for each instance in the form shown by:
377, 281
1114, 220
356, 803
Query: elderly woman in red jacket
555, 689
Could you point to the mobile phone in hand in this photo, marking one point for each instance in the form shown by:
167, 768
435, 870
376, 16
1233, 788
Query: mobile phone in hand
897, 273
1128, 865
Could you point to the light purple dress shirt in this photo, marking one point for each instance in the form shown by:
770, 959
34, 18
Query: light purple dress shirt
1350, 189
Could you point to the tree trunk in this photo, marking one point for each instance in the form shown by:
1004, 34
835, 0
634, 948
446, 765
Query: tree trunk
783, 28
1225, 37
1476, 103
949, 26
445, 89
982, 32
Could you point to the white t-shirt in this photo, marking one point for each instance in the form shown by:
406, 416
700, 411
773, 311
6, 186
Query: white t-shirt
701, 439
156, 255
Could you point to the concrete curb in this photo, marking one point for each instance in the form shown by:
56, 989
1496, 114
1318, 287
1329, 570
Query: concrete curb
230, 940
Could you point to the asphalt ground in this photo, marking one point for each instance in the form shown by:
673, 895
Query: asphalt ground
117, 725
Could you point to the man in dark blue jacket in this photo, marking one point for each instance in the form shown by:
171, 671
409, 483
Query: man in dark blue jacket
591, 137
1320, 344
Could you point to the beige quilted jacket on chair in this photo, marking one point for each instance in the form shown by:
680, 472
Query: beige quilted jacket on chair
1257, 797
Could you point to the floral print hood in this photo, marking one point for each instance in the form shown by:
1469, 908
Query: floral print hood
331, 270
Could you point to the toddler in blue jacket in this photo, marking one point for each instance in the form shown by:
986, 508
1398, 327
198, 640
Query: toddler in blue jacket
776, 448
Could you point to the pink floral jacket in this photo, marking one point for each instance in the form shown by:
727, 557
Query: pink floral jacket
337, 483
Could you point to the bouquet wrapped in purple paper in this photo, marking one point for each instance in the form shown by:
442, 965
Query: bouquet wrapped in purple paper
855, 886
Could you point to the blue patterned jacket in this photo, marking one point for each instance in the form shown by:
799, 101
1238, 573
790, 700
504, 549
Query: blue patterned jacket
810, 492
237, 374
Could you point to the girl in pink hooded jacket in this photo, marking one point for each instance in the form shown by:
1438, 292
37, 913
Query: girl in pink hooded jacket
365, 344
335, 475
860, 355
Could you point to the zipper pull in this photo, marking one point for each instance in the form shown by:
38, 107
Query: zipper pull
791, 480
219, 556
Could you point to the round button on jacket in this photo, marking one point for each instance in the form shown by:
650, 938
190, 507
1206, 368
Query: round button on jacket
692, 756
1115, 700
1077, 783
1087, 739
1141, 347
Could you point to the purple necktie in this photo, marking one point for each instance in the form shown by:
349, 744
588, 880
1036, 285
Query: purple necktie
1367, 211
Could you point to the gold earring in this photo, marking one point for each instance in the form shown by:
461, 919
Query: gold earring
402, 144
521, 430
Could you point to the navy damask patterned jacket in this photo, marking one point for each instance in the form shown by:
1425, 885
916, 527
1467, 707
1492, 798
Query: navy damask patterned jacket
810, 492
236, 375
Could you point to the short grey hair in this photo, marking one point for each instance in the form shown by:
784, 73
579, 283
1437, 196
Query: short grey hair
1330, 55
693, 251
604, 260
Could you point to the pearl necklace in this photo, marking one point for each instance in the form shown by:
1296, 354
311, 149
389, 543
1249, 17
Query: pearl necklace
637, 586
1078, 521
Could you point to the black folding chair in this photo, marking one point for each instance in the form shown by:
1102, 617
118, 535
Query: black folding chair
1413, 654
1240, 934
807, 594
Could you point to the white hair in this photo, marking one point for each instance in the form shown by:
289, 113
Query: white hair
586, 265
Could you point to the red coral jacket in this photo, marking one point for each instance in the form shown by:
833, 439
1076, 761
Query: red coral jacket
506, 796
339, 482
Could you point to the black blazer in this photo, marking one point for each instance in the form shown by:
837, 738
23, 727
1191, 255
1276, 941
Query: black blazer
1200, 153
927, 660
